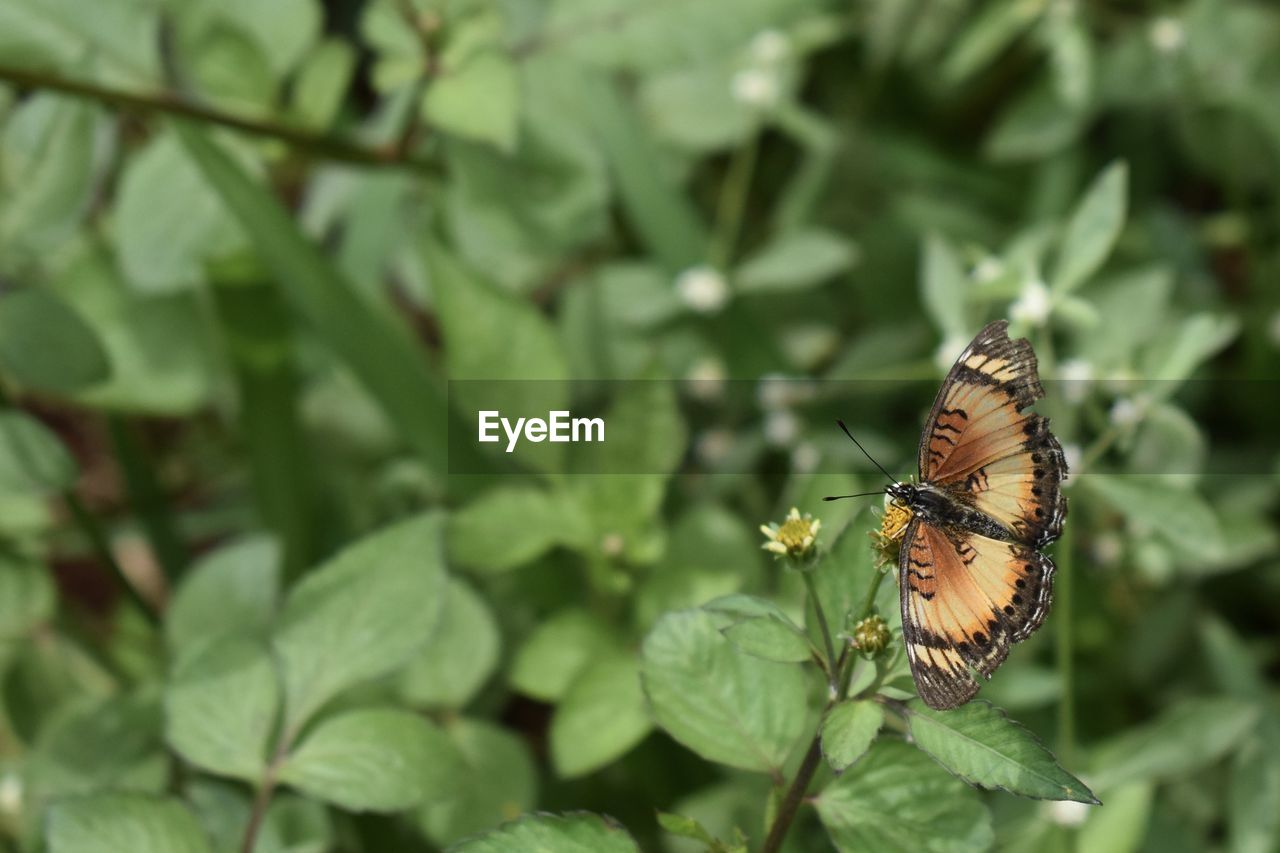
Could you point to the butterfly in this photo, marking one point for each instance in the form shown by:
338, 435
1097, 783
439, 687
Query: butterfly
971, 576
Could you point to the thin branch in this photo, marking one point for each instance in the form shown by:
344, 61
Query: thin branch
795, 795
319, 144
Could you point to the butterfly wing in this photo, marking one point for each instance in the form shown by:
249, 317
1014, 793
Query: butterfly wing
965, 599
982, 446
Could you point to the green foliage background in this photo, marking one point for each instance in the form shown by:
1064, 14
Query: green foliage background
244, 247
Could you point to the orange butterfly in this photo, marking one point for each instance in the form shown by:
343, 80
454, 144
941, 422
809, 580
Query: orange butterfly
971, 578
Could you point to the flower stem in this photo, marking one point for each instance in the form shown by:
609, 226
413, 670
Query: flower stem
832, 663
794, 796
733, 201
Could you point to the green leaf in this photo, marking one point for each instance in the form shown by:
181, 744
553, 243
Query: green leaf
1152, 503
848, 730
795, 261
27, 596
119, 43
46, 346
110, 823
1183, 739
694, 107
169, 220
557, 651
1176, 353
943, 285
229, 737
94, 744
578, 832
373, 760
460, 657
601, 716
981, 745
360, 615
322, 82
986, 36
1253, 822
1092, 230
1121, 826
685, 827
1037, 124
509, 527
232, 590
896, 798
726, 706
479, 100
771, 638
497, 780
379, 351
32, 459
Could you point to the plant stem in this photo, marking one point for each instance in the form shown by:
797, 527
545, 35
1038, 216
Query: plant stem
832, 663
148, 498
262, 799
319, 144
733, 201
1066, 706
98, 539
794, 796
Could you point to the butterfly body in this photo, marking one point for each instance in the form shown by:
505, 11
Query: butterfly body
972, 579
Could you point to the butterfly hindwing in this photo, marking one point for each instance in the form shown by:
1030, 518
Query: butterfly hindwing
965, 598
982, 446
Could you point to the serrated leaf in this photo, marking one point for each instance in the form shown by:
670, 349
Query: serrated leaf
897, 798
32, 459
460, 656
1092, 230
110, 823
771, 638
601, 716
46, 345
226, 737
374, 760
1184, 738
981, 745
577, 832
848, 730
795, 261
362, 614
724, 705
232, 590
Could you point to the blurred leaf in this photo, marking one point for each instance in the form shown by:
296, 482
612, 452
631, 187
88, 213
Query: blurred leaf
373, 760
207, 727
497, 782
557, 651
97, 744
291, 824
600, 717
109, 823
770, 637
981, 745
169, 221
1178, 514
896, 798
943, 284
694, 107
1092, 230
1229, 659
361, 614
46, 346
379, 352
232, 590
1190, 734
1177, 352
848, 730
1034, 126
282, 32
509, 527
579, 832
478, 100
32, 459
724, 705
1120, 826
685, 827
986, 37
1131, 309
460, 657
322, 83
1253, 790
27, 596
794, 261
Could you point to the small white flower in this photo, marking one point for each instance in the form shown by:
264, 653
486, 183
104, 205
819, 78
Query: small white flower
706, 378
1077, 376
1074, 458
1167, 34
756, 87
713, 446
1126, 411
703, 289
805, 458
988, 269
611, 544
781, 427
769, 47
1033, 305
949, 350
11, 794
775, 391
1068, 812
1107, 549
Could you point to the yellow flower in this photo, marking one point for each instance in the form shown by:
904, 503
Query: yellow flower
871, 635
888, 539
795, 537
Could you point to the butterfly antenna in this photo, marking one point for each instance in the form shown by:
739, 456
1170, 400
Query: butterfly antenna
858, 495
866, 454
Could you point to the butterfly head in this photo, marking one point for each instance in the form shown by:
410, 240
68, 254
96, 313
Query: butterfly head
920, 499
